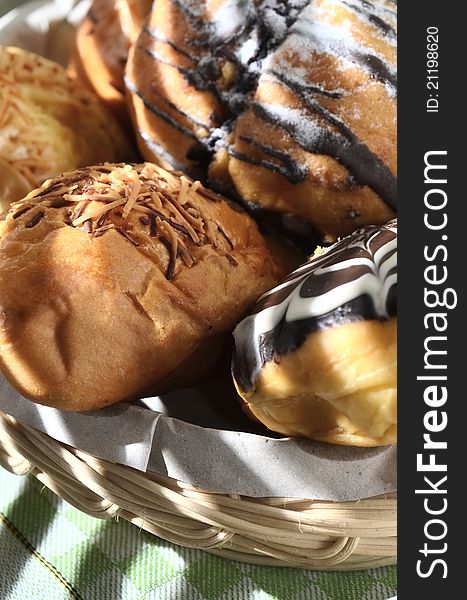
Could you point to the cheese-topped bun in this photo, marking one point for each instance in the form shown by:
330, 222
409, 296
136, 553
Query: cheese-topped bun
49, 123
317, 357
102, 43
289, 105
117, 280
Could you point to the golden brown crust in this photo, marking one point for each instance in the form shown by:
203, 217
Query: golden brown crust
49, 123
132, 14
329, 197
171, 113
327, 391
113, 277
12, 185
102, 43
306, 127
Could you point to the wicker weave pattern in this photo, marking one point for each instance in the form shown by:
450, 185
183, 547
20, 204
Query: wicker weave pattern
269, 531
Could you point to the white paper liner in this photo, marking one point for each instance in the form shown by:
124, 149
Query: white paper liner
233, 462
205, 445
43, 26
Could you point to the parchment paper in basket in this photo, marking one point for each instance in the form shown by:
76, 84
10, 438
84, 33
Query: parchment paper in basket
202, 446
225, 460
43, 26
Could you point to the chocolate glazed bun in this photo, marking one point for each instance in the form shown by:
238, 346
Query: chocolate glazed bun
117, 280
317, 357
289, 105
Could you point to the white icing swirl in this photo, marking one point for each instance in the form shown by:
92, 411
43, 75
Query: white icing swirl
358, 274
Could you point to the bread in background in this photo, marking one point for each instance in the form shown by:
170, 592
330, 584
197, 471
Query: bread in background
49, 124
103, 41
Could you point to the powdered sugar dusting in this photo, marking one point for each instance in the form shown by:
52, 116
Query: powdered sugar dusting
231, 17
234, 46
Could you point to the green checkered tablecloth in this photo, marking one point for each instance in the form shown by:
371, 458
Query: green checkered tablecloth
51, 551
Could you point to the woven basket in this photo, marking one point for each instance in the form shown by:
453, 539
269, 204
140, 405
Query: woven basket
312, 534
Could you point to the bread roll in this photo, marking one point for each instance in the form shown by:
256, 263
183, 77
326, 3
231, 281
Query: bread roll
120, 280
289, 105
102, 43
49, 123
317, 357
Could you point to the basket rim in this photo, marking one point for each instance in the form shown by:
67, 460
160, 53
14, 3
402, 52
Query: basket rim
323, 535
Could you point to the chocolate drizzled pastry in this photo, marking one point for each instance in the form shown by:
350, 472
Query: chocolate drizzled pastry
322, 344
290, 104
120, 279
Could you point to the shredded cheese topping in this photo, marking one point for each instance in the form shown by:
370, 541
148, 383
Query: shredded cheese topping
144, 203
38, 136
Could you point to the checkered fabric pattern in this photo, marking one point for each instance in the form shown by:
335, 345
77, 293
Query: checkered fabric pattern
51, 551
